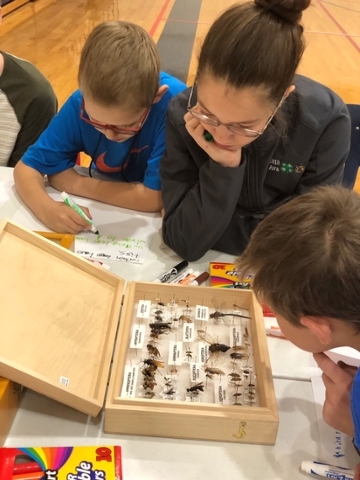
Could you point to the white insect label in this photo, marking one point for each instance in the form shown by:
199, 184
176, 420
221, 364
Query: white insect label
129, 383
203, 352
175, 353
235, 335
220, 391
137, 336
64, 381
201, 313
197, 374
143, 310
189, 332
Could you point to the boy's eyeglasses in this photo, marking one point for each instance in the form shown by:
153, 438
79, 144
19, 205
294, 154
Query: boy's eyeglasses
118, 130
233, 127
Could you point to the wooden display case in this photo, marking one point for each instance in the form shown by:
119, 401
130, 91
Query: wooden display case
62, 314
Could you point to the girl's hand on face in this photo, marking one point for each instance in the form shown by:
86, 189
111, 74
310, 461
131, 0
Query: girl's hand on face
226, 158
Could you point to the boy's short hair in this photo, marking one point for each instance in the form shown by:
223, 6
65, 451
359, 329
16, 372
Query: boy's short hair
306, 257
119, 65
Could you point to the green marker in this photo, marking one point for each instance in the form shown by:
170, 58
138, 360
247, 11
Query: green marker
70, 202
208, 137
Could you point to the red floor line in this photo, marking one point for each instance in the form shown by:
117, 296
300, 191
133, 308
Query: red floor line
353, 43
159, 17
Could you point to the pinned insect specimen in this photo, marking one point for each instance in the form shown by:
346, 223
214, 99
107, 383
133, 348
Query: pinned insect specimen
219, 315
237, 396
160, 326
196, 389
188, 354
239, 356
169, 382
210, 372
149, 383
152, 362
215, 348
185, 319
153, 351
148, 394
170, 394
235, 377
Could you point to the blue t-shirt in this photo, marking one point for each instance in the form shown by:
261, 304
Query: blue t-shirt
135, 160
355, 408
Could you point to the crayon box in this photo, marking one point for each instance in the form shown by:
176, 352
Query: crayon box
224, 275
61, 463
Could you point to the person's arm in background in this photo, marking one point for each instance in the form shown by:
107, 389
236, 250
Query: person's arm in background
37, 117
199, 198
55, 150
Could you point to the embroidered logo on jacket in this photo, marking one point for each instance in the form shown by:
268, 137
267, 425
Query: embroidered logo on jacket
278, 166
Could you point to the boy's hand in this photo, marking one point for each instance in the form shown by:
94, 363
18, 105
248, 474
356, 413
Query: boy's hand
338, 379
63, 219
226, 158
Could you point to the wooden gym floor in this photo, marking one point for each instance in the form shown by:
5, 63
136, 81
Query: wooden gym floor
51, 33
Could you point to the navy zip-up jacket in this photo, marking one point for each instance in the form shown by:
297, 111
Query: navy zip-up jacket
209, 206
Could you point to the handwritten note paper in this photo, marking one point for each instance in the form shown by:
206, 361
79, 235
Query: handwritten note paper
111, 247
125, 235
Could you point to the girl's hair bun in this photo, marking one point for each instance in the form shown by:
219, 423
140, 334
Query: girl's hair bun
289, 11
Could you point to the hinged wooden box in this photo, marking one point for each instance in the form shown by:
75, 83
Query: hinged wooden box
59, 322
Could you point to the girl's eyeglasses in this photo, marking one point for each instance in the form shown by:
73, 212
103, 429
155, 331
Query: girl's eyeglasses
118, 130
233, 127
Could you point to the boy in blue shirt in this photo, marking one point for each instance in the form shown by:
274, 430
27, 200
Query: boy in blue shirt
117, 118
306, 259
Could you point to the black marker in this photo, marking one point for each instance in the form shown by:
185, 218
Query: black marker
170, 274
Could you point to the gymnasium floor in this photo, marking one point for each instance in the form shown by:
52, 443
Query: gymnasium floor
51, 33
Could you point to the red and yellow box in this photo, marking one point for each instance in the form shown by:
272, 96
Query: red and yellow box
100, 462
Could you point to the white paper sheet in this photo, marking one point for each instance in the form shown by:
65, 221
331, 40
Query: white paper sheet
124, 235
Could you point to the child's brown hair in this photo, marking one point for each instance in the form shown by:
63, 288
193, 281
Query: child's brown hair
119, 65
256, 44
306, 257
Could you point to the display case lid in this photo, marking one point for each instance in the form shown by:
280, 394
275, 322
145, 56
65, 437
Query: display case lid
59, 318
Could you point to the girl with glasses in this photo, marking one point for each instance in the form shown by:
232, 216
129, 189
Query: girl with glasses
250, 134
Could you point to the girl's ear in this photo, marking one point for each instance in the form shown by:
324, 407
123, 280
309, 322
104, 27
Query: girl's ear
320, 327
